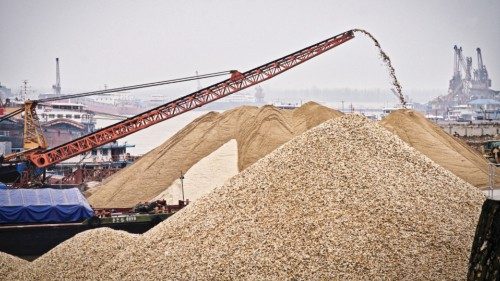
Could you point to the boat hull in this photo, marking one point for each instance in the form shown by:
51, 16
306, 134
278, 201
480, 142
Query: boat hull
31, 241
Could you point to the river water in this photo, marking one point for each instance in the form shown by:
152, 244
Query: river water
151, 137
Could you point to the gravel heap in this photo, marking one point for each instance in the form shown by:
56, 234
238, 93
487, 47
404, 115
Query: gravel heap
77, 258
10, 263
257, 131
346, 200
449, 152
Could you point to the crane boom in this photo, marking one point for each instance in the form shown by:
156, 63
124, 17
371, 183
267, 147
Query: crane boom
479, 59
462, 61
238, 81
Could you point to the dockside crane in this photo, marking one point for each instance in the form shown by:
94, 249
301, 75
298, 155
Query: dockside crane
456, 80
38, 156
460, 84
481, 74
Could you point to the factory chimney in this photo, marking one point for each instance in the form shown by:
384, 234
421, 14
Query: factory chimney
57, 86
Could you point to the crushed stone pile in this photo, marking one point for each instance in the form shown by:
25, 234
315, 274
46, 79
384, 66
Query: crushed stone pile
76, 258
258, 131
448, 151
10, 263
346, 200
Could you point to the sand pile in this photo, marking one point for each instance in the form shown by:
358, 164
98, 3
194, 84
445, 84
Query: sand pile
318, 207
77, 258
10, 263
258, 131
449, 152
204, 176
157, 170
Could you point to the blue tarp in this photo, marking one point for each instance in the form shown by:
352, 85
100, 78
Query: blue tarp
43, 205
21, 167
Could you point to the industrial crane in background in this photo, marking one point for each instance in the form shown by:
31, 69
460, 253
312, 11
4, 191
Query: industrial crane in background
464, 86
37, 155
459, 84
481, 78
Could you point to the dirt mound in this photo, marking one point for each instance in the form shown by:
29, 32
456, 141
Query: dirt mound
77, 258
258, 131
449, 152
10, 263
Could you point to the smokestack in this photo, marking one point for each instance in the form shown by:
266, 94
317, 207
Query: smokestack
57, 86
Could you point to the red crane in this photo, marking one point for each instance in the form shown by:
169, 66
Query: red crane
238, 81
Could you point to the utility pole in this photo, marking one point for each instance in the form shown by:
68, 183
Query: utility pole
24, 90
182, 185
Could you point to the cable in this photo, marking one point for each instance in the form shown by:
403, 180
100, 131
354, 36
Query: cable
134, 87
12, 114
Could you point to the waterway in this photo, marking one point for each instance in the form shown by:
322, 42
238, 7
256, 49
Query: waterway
151, 137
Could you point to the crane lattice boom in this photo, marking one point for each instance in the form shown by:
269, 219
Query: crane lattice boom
238, 81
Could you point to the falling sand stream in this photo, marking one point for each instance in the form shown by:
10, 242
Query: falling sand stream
387, 61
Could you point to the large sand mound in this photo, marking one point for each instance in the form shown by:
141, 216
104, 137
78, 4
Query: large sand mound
308, 211
258, 131
449, 152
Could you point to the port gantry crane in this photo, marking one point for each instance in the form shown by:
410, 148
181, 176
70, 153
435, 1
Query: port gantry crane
40, 157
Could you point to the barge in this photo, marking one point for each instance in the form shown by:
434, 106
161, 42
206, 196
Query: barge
33, 221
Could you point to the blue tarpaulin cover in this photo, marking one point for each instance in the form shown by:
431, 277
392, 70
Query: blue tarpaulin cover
43, 205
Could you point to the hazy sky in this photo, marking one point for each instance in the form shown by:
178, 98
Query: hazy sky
127, 42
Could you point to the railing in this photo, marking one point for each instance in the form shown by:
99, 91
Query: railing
492, 179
